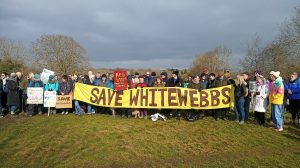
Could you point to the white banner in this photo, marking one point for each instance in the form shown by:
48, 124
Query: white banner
49, 98
35, 95
45, 75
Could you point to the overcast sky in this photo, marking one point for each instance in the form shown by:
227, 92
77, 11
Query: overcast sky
146, 33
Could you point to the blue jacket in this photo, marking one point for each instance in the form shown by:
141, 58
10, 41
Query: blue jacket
294, 86
51, 86
110, 84
34, 83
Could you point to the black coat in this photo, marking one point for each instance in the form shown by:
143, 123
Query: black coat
13, 96
174, 83
1, 87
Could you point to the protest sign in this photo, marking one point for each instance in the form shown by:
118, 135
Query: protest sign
45, 75
63, 101
49, 98
35, 95
156, 97
120, 80
252, 86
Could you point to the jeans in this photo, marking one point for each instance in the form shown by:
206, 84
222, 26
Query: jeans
77, 108
295, 108
34, 107
247, 107
277, 113
90, 109
12, 109
240, 109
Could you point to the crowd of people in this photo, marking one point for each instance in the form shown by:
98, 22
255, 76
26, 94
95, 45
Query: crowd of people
271, 90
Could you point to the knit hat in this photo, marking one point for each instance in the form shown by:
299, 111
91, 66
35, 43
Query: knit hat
36, 76
51, 77
276, 74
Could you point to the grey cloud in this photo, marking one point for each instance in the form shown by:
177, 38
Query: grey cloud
132, 31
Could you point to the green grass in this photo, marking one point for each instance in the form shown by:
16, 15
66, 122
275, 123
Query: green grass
103, 141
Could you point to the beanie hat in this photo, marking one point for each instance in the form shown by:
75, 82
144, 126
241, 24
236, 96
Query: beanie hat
276, 74
51, 77
36, 76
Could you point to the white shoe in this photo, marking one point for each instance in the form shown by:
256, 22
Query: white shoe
1, 116
12, 113
279, 130
62, 113
242, 122
66, 113
93, 112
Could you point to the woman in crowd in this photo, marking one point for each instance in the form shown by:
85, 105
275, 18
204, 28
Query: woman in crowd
260, 98
64, 88
52, 85
276, 99
158, 82
36, 82
293, 90
239, 95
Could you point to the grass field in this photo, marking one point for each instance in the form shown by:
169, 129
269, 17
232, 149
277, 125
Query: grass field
103, 141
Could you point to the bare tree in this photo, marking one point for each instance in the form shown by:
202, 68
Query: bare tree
254, 58
12, 55
224, 54
208, 60
59, 53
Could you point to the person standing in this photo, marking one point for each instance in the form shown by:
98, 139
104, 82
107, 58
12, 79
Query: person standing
52, 85
239, 96
1, 90
260, 100
35, 83
221, 81
293, 90
164, 78
13, 96
175, 81
247, 77
276, 100
64, 88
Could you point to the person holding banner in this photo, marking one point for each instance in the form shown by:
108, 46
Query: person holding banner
89, 81
142, 84
221, 80
51, 85
35, 83
64, 88
175, 81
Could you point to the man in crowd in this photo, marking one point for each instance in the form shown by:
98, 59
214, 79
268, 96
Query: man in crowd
247, 78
